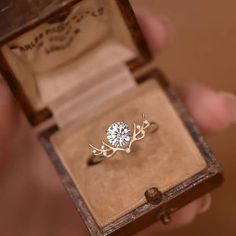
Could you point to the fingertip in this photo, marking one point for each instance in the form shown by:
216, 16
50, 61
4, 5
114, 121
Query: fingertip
206, 204
229, 102
156, 29
188, 214
213, 111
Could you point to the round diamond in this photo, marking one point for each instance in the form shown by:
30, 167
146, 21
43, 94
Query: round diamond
119, 134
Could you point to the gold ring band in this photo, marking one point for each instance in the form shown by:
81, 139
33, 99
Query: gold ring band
121, 138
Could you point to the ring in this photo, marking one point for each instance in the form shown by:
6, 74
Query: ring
121, 138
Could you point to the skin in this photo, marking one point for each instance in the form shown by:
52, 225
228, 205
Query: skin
32, 199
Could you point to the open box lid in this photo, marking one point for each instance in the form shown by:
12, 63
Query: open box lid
19, 18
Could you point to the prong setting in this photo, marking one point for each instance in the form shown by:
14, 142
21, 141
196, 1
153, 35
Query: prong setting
120, 138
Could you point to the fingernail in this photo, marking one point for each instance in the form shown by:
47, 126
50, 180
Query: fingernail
206, 203
231, 101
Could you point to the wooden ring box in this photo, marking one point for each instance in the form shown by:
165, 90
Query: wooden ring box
83, 65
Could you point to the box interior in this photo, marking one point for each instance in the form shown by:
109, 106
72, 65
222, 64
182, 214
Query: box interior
77, 67
117, 186
60, 55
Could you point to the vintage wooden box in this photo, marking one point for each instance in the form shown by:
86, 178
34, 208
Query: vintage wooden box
77, 66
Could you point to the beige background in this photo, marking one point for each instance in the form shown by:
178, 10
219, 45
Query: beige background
203, 50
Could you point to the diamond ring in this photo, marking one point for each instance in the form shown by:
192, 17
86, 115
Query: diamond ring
121, 138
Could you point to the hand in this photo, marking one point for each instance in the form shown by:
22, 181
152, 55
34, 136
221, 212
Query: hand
32, 199
213, 111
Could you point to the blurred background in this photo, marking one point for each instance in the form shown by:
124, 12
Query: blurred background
203, 50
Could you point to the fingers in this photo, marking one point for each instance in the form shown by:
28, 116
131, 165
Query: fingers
182, 217
187, 214
156, 29
213, 111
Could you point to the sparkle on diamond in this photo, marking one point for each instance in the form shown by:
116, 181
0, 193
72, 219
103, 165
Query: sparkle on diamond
119, 134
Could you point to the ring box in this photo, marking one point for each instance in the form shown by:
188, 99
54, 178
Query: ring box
78, 66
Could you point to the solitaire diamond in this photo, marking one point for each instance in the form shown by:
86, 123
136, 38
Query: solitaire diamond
119, 134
